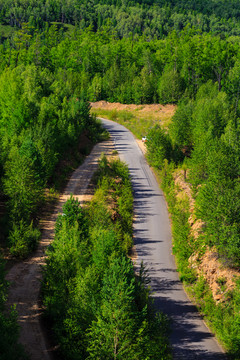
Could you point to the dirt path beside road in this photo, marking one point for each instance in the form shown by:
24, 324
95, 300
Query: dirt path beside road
25, 277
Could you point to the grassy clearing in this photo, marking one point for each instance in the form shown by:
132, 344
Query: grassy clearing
136, 120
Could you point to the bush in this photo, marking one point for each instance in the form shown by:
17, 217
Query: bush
71, 213
159, 146
23, 239
9, 330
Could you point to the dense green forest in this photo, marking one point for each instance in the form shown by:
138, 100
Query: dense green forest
55, 56
128, 18
101, 66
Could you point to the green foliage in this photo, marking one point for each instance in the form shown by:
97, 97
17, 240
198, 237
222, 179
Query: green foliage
218, 203
181, 125
23, 239
112, 334
120, 331
183, 244
124, 18
103, 65
37, 127
211, 112
114, 177
223, 317
9, 328
72, 213
98, 307
159, 146
21, 185
105, 244
171, 87
41, 121
205, 129
57, 55
10, 349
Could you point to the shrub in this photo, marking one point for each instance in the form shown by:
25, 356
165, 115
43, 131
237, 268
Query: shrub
23, 239
9, 330
159, 146
71, 213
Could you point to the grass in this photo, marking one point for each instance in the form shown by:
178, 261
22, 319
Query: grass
137, 121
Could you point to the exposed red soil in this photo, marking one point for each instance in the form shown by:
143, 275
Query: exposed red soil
153, 108
219, 276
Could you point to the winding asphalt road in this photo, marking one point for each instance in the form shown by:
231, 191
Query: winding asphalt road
190, 337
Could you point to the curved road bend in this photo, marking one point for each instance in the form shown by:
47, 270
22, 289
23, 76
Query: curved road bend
190, 337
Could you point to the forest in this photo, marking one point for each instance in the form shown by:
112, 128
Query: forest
154, 19
56, 56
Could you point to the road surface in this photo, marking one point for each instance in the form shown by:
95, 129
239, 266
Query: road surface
190, 337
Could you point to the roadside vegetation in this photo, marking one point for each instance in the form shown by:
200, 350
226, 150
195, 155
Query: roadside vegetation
218, 302
98, 307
